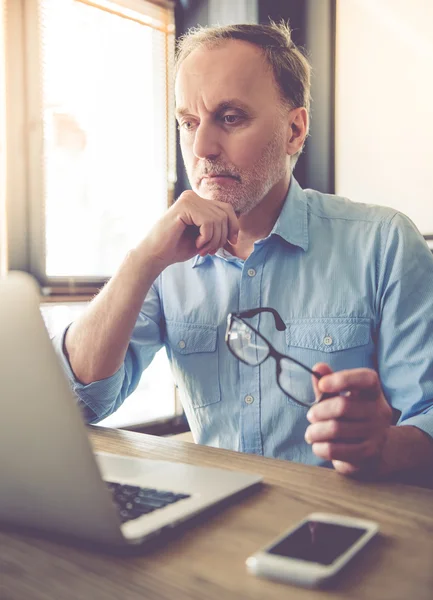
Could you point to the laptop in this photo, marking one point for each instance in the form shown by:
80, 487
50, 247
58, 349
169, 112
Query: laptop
50, 478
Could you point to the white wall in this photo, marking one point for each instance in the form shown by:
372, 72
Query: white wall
229, 12
384, 105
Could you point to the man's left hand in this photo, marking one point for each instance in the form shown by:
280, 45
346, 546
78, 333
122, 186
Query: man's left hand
349, 429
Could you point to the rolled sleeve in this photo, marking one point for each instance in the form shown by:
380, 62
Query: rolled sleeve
101, 398
405, 341
423, 422
92, 398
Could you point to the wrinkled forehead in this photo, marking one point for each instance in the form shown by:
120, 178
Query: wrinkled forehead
233, 68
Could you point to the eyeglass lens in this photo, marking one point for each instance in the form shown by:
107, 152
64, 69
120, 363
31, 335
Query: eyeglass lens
246, 345
294, 379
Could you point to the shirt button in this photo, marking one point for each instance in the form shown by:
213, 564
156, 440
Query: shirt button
327, 340
181, 344
251, 272
249, 399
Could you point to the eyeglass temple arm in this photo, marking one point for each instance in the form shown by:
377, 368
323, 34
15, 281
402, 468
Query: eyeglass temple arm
249, 314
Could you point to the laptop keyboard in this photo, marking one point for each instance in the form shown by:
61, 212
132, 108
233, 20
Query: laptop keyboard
133, 501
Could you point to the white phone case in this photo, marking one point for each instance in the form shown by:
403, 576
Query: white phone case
301, 572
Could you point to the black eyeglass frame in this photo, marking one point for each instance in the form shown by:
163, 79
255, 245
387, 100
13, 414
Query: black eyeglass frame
280, 325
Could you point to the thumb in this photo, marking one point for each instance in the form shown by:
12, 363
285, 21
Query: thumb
321, 369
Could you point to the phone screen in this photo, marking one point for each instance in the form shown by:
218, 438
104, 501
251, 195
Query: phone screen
319, 542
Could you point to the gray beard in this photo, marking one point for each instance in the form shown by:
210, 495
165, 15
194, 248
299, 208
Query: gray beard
255, 183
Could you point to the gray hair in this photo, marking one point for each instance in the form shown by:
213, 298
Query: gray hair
291, 69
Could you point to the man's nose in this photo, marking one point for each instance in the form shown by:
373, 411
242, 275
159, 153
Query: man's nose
206, 141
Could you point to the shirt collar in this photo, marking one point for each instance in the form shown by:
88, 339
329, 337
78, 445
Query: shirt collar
292, 222
199, 260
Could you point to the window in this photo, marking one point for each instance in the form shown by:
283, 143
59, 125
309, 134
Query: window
384, 121
100, 131
90, 142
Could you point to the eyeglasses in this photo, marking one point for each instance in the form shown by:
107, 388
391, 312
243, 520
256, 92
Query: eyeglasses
252, 348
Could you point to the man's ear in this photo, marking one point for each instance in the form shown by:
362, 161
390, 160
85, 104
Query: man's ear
297, 130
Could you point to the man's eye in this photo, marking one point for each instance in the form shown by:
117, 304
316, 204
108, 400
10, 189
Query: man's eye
187, 125
230, 119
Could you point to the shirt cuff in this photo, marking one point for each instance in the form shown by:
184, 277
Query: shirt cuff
58, 342
423, 422
99, 397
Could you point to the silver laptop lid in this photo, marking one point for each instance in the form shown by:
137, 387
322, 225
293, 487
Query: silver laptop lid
49, 477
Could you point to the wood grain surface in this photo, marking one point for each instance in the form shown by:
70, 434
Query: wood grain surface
206, 560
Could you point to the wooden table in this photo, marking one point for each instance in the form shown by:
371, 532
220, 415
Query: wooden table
207, 561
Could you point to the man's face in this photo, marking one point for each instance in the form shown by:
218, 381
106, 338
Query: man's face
232, 129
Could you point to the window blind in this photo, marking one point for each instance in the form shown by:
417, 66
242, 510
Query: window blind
101, 133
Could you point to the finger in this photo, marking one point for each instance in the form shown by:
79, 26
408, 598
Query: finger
224, 233
361, 379
220, 221
352, 453
343, 431
206, 234
232, 223
213, 244
322, 369
216, 239
340, 407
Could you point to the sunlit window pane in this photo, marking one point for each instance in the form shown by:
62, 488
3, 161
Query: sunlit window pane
104, 101
106, 139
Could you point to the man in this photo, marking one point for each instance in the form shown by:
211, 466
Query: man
353, 283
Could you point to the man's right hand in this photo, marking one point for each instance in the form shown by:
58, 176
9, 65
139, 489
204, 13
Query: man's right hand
191, 226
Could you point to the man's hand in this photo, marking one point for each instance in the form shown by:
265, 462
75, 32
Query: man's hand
349, 429
191, 226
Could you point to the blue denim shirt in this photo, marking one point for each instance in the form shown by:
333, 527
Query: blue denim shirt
360, 276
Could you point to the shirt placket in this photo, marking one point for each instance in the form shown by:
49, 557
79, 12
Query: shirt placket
249, 377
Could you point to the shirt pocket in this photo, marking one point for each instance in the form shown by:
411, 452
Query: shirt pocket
194, 357
342, 343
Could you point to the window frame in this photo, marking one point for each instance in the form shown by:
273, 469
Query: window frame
3, 163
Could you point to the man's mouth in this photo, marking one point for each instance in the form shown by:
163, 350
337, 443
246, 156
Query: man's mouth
219, 177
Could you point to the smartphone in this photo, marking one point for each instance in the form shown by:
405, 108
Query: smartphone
314, 551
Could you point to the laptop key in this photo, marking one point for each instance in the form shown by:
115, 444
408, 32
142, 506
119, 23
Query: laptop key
133, 501
166, 495
122, 498
130, 490
169, 499
138, 511
146, 491
151, 502
125, 515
